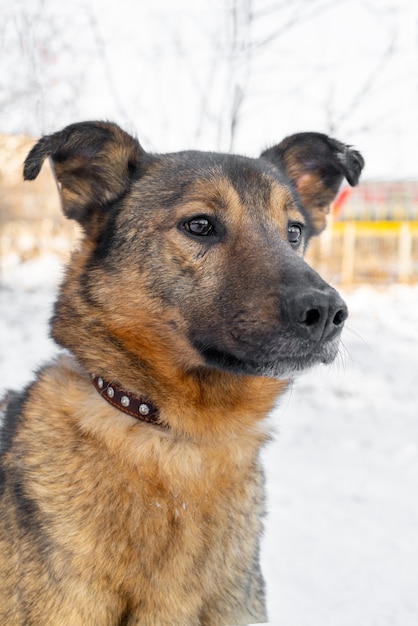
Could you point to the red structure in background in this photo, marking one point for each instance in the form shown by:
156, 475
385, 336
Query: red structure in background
340, 200
378, 201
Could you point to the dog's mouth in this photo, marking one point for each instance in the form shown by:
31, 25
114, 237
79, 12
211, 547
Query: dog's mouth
273, 363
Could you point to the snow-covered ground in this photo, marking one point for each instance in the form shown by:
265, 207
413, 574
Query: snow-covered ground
341, 540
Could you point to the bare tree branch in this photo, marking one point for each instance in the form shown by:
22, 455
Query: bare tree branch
107, 67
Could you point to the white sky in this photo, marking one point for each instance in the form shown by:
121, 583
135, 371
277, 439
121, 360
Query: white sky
165, 71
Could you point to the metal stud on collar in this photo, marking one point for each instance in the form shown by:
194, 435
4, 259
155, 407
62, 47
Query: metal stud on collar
144, 409
125, 401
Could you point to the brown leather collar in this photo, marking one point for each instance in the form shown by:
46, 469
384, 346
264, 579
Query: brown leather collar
135, 406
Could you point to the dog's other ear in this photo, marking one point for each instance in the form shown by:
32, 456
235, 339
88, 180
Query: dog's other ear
315, 166
94, 163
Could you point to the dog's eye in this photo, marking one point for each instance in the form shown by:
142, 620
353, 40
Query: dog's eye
294, 234
200, 226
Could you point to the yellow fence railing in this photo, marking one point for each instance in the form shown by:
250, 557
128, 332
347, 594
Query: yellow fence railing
376, 228
368, 251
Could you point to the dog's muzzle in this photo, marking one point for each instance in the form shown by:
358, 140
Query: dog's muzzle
305, 332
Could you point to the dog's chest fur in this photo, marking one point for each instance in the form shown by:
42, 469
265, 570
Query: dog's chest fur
150, 497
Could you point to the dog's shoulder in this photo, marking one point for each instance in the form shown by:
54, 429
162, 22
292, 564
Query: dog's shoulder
11, 407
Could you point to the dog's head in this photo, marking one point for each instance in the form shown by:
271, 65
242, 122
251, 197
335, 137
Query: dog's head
200, 253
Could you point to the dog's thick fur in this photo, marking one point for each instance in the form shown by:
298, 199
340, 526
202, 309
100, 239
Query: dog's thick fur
188, 288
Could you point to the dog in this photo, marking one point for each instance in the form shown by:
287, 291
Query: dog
131, 488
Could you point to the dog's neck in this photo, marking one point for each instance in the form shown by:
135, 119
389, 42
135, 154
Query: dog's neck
198, 403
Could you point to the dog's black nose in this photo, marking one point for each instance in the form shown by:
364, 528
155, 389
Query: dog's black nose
316, 314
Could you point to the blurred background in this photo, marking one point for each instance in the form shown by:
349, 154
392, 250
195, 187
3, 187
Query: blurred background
341, 543
234, 75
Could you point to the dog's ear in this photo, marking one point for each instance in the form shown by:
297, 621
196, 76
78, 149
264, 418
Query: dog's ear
94, 163
315, 166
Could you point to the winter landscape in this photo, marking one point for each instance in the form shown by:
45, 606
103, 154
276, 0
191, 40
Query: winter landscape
340, 546
341, 542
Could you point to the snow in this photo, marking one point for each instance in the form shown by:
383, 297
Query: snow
341, 540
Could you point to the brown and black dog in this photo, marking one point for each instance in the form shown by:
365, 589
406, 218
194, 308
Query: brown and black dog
131, 490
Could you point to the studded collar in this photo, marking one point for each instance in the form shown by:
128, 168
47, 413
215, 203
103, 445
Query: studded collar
127, 402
